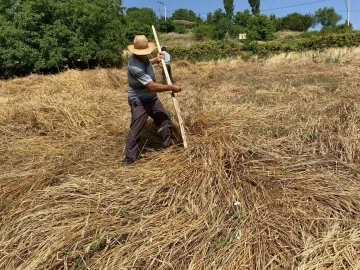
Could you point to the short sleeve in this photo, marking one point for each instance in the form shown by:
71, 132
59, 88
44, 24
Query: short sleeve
140, 75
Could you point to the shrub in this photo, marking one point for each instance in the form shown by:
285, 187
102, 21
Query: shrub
203, 31
235, 30
222, 28
261, 28
180, 29
166, 26
222, 49
212, 50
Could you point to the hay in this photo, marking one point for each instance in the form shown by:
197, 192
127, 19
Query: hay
270, 179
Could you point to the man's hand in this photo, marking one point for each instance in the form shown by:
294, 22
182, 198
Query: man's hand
160, 56
176, 89
157, 59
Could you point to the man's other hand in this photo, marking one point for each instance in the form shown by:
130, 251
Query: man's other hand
176, 88
159, 57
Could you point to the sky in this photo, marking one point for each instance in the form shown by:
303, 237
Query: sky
280, 8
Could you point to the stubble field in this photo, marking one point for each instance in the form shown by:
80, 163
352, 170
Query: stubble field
270, 180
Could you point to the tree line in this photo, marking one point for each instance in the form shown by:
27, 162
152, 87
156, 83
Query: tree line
219, 24
52, 35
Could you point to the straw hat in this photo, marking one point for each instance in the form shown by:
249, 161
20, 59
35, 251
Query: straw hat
141, 46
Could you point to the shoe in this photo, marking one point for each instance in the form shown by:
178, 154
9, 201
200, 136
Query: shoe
128, 162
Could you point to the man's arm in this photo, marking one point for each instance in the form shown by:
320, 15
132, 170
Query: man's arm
157, 59
158, 87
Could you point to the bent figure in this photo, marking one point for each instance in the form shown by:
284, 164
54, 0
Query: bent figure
167, 60
143, 99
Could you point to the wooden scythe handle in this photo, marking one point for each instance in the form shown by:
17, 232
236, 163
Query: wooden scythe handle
176, 104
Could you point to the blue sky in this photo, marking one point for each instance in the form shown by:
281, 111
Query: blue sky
278, 7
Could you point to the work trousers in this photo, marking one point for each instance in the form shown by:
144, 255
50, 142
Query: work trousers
140, 111
168, 67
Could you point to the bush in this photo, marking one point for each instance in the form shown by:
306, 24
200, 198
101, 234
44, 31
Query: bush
261, 28
222, 28
212, 50
203, 31
180, 29
222, 49
309, 34
315, 43
166, 26
341, 28
236, 30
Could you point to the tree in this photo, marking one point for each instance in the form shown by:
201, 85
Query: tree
222, 28
229, 8
327, 17
7, 9
203, 31
96, 29
139, 21
42, 36
276, 21
297, 22
166, 26
242, 18
184, 14
137, 29
209, 18
145, 16
218, 15
261, 27
131, 9
255, 6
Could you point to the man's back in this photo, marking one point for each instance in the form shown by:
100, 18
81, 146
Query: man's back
167, 57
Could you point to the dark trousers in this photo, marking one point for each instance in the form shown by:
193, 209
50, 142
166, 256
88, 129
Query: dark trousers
140, 112
168, 67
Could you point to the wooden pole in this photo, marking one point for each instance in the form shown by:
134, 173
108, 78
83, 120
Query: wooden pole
176, 104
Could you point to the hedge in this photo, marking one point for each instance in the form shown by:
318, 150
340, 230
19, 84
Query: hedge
215, 50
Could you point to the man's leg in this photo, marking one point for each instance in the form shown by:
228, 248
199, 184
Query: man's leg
162, 122
163, 76
138, 121
168, 66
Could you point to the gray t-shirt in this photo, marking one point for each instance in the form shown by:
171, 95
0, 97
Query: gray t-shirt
140, 74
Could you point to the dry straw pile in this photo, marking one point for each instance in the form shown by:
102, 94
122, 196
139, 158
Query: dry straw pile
270, 180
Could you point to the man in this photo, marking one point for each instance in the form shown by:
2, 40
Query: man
167, 59
143, 99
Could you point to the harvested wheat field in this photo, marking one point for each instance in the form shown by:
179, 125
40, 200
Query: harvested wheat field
270, 179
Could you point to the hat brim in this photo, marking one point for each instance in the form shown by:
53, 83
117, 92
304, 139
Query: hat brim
143, 51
